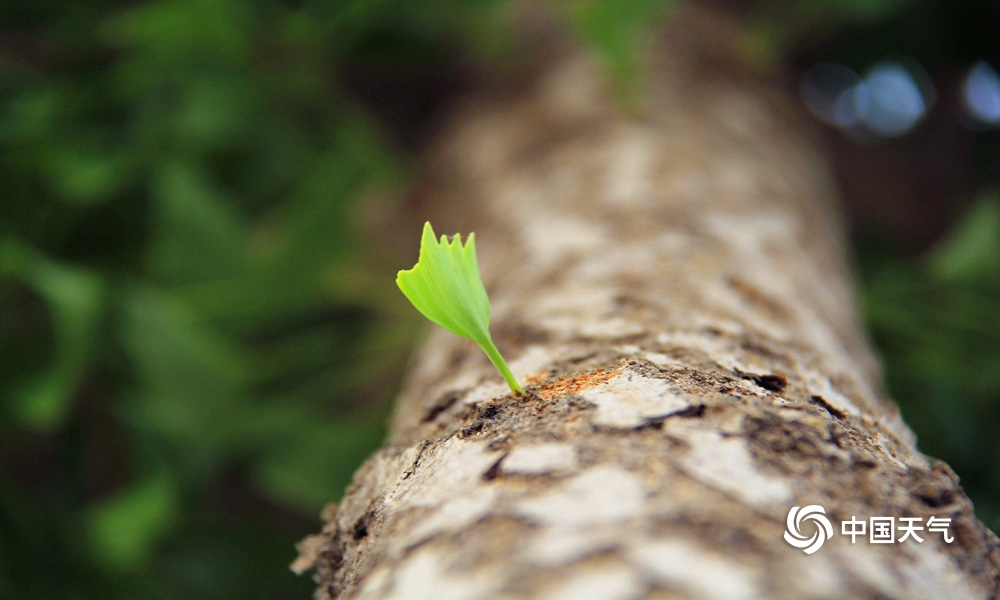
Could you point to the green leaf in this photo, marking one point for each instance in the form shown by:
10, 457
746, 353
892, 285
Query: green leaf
618, 31
86, 169
314, 466
971, 251
126, 527
199, 234
75, 297
190, 377
445, 286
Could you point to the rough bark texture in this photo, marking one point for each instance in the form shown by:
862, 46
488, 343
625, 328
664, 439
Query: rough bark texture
674, 290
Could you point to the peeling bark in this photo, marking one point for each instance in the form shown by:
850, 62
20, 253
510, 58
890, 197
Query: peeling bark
673, 289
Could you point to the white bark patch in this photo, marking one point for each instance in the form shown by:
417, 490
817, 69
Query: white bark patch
662, 360
539, 459
817, 331
487, 392
463, 380
751, 234
866, 565
567, 313
572, 90
558, 547
599, 496
601, 583
816, 576
598, 324
534, 359
454, 466
618, 259
629, 399
883, 443
726, 464
699, 322
375, 583
754, 239
611, 328
935, 576
423, 576
694, 571
722, 350
448, 482
553, 237
453, 516
719, 294
628, 182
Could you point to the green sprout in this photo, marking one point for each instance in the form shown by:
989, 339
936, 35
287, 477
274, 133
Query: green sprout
445, 287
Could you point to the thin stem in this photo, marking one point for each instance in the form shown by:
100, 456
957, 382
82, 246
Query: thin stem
491, 350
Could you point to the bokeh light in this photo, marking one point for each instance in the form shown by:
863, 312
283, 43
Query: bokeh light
981, 94
896, 104
889, 101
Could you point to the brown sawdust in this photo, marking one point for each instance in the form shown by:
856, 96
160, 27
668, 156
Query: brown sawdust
576, 383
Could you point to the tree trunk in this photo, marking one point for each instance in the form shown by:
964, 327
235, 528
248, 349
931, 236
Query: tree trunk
672, 288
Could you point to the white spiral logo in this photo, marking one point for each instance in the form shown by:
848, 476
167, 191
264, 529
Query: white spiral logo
824, 530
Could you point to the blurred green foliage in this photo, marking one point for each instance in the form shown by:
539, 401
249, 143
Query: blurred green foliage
936, 319
196, 352
193, 348
617, 32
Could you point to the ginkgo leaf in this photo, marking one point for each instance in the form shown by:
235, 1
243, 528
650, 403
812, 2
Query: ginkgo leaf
445, 286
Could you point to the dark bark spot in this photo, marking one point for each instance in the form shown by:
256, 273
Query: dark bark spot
484, 414
575, 360
938, 498
653, 423
503, 444
822, 403
440, 406
934, 488
416, 461
473, 429
691, 412
494, 471
787, 445
360, 529
629, 300
772, 383
758, 348
700, 379
531, 396
489, 412
332, 558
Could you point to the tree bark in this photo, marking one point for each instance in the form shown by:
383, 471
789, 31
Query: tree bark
673, 290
